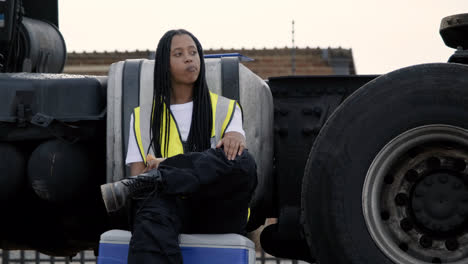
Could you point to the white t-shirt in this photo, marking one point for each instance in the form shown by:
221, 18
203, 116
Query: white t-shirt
183, 116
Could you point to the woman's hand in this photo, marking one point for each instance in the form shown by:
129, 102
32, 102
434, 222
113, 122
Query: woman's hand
234, 144
152, 162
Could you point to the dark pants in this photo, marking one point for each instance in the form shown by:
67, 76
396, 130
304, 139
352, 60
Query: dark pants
203, 192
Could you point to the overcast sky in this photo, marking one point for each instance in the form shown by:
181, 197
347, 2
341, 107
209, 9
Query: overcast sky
384, 34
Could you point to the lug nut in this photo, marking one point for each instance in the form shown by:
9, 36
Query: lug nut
425, 241
428, 181
443, 179
406, 224
401, 199
411, 175
452, 244
384, 215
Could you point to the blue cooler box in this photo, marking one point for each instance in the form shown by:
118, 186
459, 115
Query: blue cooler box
196, 249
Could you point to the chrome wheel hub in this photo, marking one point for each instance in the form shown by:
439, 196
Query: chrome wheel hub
415, 196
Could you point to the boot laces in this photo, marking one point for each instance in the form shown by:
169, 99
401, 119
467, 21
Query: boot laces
140, 183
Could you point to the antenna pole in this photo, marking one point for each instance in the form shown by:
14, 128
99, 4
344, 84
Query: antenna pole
293, 53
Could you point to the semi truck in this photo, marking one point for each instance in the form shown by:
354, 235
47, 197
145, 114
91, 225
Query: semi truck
356, 169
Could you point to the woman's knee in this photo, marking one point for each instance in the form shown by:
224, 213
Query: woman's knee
247, 164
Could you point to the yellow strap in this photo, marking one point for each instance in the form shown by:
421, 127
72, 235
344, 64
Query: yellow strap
214, 101
137, 130
228, 118
175, 143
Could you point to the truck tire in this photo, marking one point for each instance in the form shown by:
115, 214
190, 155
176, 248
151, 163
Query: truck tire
386, 179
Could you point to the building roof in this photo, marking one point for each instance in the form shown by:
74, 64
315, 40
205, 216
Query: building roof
266, 63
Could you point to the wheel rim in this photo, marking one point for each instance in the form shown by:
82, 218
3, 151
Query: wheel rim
415, 196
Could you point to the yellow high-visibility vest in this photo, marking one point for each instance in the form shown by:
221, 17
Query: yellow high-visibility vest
222, 112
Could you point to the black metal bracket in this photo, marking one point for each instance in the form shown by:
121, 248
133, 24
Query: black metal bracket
41, 120
460, 56
230, 77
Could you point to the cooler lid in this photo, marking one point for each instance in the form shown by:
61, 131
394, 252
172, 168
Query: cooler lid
116, 236
223, 240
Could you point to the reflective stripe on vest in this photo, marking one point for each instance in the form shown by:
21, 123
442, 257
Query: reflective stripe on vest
222, 111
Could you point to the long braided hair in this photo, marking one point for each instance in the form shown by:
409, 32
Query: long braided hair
202, 121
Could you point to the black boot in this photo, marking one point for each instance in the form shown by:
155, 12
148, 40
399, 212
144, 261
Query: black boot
116, 194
